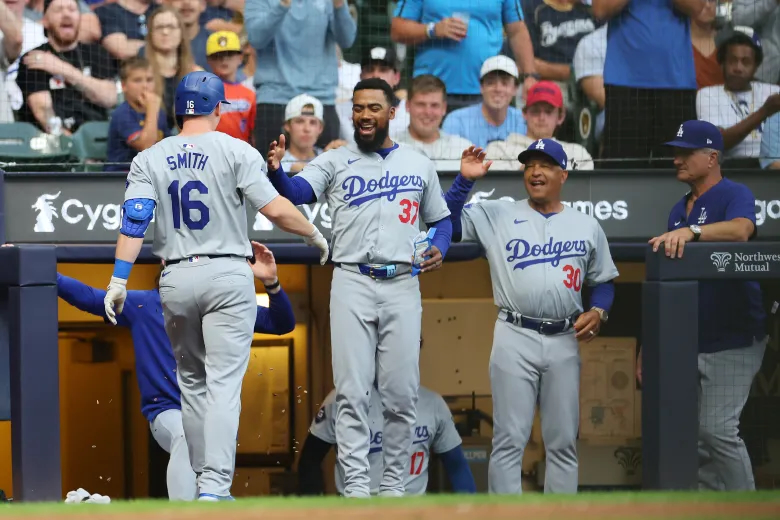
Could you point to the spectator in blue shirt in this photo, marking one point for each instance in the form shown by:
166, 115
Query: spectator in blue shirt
492, 119
139, 122
732, 320
123, 25
453, 38
296, 54
649, 75
156, 366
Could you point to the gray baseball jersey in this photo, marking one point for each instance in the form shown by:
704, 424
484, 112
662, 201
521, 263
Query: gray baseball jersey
199, 184
434, 432
538, 264
377, 205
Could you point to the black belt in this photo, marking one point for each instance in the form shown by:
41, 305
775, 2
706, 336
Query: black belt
377, 271
542, 326
172, 262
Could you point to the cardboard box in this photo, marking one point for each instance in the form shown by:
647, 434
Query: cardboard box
607, 388
606, 463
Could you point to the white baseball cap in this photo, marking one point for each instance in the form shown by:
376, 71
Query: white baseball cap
298, 107
500, 62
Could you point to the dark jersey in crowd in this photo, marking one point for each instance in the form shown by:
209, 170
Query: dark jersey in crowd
69, 104
555, 34
116, 19
126, 125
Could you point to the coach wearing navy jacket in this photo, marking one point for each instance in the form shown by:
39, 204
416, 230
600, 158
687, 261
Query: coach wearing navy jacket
732, 320
156, 366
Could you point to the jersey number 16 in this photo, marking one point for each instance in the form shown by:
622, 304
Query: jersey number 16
182, 210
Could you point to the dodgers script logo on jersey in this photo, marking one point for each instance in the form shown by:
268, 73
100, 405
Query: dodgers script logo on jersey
375, 443
421, 434
358, 190
552, 252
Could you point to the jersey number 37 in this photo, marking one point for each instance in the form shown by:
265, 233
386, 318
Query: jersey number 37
182, 207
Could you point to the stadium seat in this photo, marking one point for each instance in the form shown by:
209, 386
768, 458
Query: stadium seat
25, 148
90, 143
583, 113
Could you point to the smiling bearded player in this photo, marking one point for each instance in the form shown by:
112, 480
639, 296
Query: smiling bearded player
378, 192
540, 252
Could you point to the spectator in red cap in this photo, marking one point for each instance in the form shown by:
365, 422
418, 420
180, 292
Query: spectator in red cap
544, 113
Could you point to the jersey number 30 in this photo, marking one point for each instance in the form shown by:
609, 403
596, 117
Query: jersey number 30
573, 278
183, 210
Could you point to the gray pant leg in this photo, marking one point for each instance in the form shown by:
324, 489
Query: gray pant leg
560, 412
168, 431
183, 326
514, 382
725, 379
398, 375
353, 330
227, 298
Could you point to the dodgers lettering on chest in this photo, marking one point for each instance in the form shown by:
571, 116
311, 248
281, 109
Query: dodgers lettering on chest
421, 437
358, 190
525, 254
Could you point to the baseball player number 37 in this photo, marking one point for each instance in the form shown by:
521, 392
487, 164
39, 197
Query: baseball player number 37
199, 182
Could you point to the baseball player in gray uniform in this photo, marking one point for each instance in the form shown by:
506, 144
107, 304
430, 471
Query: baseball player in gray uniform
434, 432
378, 193
540, 253
199, 181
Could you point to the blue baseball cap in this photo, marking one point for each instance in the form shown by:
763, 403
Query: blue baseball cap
549, 147
698, 134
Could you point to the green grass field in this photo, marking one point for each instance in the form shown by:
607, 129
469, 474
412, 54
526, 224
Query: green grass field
638, 505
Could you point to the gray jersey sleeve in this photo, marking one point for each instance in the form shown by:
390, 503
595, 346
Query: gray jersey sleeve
476, 225
446, 437
252, 178
319, 173
434, 207
324, 424
601, 268
139, 181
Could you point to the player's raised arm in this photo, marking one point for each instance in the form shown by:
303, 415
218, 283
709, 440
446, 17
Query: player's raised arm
472, 167
298, 189
137, 212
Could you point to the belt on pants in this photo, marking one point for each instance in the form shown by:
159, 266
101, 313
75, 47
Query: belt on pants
542, 326
195, 258
377, 271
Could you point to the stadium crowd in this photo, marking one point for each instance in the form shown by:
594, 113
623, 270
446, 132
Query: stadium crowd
594, 74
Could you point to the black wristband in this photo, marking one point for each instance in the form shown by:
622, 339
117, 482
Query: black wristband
272, 287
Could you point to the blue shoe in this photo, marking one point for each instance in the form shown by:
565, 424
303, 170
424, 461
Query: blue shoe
208, 497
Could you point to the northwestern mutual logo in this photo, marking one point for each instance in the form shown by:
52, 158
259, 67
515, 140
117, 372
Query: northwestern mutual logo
744, 262
358, 190
46, 212
551, 252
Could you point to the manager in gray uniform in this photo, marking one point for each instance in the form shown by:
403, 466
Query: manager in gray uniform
540, 253
379, 193
200, 181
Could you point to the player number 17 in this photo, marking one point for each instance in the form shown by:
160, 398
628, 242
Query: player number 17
417, 463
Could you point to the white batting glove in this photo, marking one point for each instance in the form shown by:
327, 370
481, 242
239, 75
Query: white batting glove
114, 301
317, 240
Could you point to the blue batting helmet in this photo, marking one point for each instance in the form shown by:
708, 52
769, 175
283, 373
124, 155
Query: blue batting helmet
198, 94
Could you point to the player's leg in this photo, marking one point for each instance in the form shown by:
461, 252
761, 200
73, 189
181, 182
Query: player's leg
227, 298
514, 382
726, 378
708, 474
182, 325
398, 375
168, 431
353, 348
559, 407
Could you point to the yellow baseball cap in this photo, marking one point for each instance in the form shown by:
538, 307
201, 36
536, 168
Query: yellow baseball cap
223, 41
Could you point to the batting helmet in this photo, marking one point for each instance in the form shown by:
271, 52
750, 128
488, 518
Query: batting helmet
198, 94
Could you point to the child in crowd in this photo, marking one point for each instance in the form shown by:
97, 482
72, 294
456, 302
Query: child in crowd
223, 51
303, 123
139, 122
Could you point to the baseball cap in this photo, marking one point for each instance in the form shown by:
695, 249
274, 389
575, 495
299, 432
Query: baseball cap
501, 63
384, 55
299, 106
544, 92
698, 134
738, 34
223, 41
549, 147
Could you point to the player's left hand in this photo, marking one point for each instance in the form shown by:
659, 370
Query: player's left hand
674, 242
472, 163
264, 267
434, 260
114, 301
587, 326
